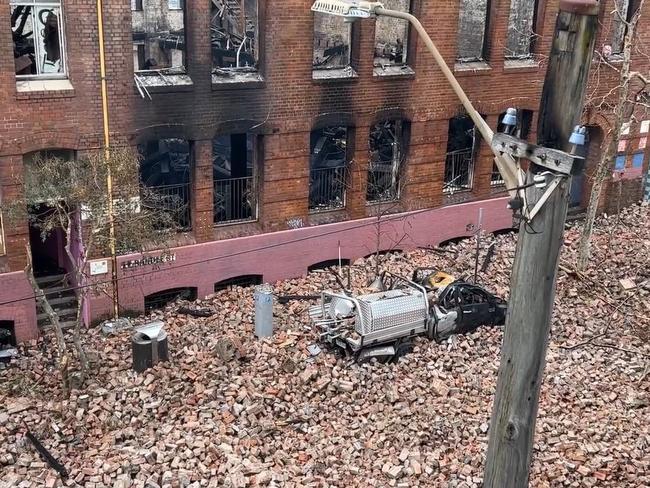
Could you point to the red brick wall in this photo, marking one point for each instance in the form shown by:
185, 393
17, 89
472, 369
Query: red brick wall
284, 108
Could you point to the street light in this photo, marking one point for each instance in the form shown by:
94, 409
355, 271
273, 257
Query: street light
352, 10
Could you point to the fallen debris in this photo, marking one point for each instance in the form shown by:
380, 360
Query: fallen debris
276, 414
54, 464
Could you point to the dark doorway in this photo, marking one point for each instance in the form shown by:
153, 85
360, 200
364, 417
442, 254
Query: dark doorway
47, 250
7, 334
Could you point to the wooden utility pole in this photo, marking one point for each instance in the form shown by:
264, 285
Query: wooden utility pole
532, 288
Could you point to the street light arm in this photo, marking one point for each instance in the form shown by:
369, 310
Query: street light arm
505, 163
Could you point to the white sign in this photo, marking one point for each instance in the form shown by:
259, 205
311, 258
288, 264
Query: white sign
98, 267
645, 126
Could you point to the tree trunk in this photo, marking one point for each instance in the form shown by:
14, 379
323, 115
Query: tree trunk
78, 268
64, 360
605, 163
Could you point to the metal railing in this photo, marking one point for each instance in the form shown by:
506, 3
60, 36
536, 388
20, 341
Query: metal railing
173, 201
383, 182
235, 200
327, 188
459, 171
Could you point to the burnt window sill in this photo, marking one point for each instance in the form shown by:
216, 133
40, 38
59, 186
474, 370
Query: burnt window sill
44, 89
393, 71
471, 68
233, 78
158, 82
336, 74
527, 64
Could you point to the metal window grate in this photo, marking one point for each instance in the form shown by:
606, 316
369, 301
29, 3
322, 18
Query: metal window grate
174, 200
160, 299
496, 179
235, 200
459, 171
327, 188
383, 182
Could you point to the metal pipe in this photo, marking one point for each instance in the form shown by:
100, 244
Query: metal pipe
107, 156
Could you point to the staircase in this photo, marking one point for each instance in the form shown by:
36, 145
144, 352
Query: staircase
60, 297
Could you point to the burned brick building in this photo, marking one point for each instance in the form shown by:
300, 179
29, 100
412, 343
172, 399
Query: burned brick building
283, 133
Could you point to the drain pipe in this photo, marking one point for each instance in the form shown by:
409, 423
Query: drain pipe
107, 156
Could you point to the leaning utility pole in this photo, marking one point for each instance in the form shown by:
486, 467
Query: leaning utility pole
532, 288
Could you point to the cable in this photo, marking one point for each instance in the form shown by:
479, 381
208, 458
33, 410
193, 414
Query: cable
216, 258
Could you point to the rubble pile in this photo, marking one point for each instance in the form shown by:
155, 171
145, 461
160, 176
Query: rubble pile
229, 410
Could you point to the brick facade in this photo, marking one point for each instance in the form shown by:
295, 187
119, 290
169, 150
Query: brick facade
281, 110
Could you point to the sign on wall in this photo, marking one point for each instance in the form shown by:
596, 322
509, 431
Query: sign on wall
149, 261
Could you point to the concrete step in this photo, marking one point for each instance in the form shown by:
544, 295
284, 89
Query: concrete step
64, 325
51, 280
65, 314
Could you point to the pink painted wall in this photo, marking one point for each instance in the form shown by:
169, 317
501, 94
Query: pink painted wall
276, 256
287, 254
14, 286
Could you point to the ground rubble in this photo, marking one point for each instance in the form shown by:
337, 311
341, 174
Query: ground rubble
274, 415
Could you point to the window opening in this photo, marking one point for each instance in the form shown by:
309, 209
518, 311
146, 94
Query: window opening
472, 27
158, 28
328, 168
462, 145
521, 25
163, 298
332, 41
233, 165
38, 39
244, 281
165, 170
391, 36
386, 159
234, 36
330, 263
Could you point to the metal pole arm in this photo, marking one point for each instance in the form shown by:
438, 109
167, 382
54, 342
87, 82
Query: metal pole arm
506, 164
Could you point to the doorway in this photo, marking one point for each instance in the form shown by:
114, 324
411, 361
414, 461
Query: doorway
48, 252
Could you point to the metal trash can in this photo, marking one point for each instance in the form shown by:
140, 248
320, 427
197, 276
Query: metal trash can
263, 310
149, 346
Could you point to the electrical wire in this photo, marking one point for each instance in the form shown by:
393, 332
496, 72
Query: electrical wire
224, 256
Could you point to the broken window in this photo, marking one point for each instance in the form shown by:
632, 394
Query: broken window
521, 26
521, 130
233, 168
328, 168
165, 170
37, 32
158, 28
462, 146
234, 36
472, 27
332, 41
391, 36
623, 12
386, 158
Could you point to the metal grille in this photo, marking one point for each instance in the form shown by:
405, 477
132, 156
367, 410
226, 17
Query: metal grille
459, 171
388, 309
174, 200
235, 200
383, 182
327, 188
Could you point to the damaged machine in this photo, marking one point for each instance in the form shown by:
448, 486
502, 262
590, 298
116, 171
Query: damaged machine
383, 324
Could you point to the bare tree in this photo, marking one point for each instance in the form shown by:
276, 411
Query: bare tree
71, 195
623, 101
